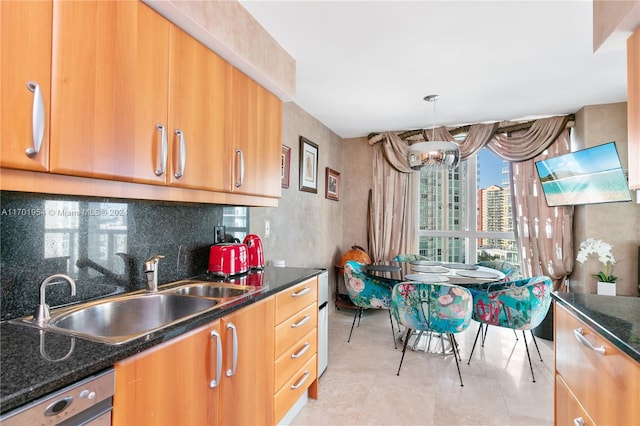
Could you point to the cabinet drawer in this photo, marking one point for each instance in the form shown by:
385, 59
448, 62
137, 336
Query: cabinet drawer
295, 328
295, 357
568, 410
294, 388
292, 300
597, 379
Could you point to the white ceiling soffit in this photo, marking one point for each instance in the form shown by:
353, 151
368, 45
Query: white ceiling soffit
365, 66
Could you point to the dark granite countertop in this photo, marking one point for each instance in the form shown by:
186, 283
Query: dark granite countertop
617, 318
34, 363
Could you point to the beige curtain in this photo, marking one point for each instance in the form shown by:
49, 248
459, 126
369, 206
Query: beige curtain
394, 198
544, 234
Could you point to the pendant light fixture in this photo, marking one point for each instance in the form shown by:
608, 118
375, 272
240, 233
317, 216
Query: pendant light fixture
433, 153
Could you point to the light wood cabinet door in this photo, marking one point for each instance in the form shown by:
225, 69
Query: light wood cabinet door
247, 388
197, 111
25, 71
568, 411
256, 137
170, 383
594, 378
109, 90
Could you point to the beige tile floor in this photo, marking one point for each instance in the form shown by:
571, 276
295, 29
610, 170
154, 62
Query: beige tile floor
360, 386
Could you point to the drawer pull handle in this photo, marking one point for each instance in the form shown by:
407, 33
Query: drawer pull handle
578, 421
579, 333
182, 157
161, 161
218, 367
301, 351
301, 381
301, 292
301, 322
37, 119
234, 361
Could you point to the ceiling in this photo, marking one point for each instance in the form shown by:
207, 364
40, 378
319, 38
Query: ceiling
365, 66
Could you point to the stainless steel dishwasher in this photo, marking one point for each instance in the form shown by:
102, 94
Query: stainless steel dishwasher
323, 322
88, 402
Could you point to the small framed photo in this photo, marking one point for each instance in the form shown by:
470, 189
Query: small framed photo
308, 165
285, 164
332, 185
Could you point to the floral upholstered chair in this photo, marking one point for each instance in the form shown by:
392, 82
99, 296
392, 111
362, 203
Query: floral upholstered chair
367, 292
438, 308
409, 257
519, 305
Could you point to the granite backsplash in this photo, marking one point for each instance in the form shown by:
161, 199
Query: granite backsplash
101, 243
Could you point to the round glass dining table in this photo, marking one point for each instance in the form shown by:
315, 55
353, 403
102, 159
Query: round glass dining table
432, 272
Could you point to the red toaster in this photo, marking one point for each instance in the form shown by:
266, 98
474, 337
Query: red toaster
228, 259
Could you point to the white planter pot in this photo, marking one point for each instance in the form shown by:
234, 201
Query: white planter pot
606, 289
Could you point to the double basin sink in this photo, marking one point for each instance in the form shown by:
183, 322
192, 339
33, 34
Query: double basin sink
120, 319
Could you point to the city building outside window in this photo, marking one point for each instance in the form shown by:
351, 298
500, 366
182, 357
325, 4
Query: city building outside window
465, 214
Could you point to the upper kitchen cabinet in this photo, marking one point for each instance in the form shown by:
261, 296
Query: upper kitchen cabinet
25, 66
109, 91
197, 115
255, 137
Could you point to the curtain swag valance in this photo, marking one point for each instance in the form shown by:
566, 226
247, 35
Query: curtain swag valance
522, 146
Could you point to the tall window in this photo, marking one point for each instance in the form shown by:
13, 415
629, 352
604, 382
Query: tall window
465, 214
236, 221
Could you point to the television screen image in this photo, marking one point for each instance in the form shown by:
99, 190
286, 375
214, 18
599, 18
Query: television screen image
589, 176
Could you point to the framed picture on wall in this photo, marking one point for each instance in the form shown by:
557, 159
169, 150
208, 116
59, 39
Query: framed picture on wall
308, 165
285, 164
332, 185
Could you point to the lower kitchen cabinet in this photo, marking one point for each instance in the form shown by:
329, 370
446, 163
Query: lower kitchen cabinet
296, 345
595, 383
177, 383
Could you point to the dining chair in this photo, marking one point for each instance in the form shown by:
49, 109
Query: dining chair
518, 305
409, 257
367, 292
437, 308
508, 269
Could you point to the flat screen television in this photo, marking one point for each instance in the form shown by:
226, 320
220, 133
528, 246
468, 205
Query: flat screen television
589, 176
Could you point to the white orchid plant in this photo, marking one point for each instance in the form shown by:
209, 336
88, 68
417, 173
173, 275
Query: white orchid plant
603, 250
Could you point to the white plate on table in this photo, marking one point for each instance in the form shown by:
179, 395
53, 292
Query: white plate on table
429, 269
460, 266
478, 274
425, 262
426, 278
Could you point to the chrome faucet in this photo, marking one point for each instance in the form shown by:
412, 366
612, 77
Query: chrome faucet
42, 310
151, 270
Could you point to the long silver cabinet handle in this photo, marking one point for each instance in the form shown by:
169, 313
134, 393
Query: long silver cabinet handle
578, 421
218, 367
234, 364
183, 154
301, 352
301, 381
37, 119
240, 157
301, 292
162, 152
301, 322
579, 333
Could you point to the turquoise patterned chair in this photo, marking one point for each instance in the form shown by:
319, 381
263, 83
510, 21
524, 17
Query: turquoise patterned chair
409, 257
518, 305
438, 308
508, 269
367, 292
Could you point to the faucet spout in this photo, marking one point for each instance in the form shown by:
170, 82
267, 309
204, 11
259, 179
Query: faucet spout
150, 269
42, 310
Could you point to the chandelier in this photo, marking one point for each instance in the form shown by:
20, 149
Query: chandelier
433, 153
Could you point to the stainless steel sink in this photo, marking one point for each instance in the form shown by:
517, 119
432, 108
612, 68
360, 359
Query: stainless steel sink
125, 318
212, 290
